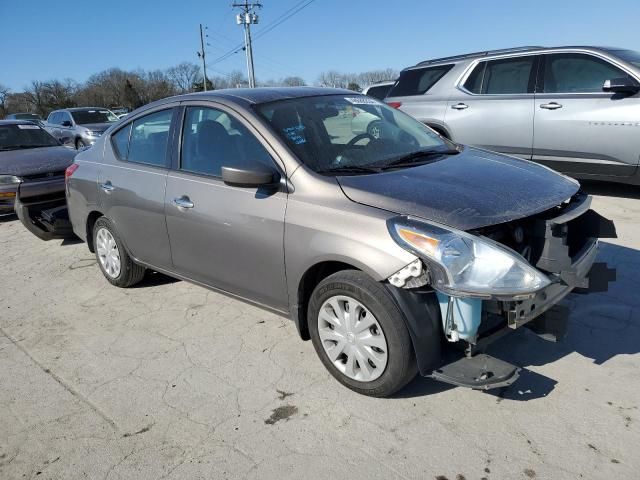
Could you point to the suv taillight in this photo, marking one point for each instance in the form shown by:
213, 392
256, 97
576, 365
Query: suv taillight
394, 104
70, 171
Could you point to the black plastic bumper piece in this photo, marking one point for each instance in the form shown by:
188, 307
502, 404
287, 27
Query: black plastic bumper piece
480, 372
47, 219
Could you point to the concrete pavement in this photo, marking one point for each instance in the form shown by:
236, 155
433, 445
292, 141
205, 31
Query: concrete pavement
169, 380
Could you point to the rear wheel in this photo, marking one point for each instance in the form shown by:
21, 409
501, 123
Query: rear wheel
114, 261
360, 335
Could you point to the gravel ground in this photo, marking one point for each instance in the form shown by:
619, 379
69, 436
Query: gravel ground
169, 380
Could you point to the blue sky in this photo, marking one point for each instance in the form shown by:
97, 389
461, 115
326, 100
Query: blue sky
45, 39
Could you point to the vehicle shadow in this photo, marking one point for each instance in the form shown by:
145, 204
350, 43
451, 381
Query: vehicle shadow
601, 326
9, 217
154, 279
609, 189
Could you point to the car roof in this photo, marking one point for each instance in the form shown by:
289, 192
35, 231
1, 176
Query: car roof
252, 96
504, 51
18, 122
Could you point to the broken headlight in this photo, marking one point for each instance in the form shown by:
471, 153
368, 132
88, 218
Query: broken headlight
461, 264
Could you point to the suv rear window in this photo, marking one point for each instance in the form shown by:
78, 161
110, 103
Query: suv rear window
418, 80
379, 91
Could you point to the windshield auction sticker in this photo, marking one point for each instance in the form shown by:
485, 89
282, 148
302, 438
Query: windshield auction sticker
362, 100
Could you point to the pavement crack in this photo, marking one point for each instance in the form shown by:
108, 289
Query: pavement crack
61, 382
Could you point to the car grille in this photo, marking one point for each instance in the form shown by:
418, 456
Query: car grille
44, 175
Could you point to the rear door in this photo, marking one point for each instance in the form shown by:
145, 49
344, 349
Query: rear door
493, 106
579, 129
227, 237
422, 92
132, 181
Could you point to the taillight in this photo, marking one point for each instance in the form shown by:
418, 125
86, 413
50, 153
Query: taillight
394, 104
70, 171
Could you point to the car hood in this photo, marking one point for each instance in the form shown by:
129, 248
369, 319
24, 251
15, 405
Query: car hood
32, 161
470, 190
97, 127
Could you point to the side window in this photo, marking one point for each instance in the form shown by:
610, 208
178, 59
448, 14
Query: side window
120, 142
418, 80
474, 81
149, 139
213, 139
577, 73
508, 76
54, 118
64, 117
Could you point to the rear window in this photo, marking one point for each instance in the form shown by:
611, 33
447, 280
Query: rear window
379, 91
418, 80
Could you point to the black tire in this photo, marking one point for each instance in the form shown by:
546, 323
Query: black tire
401, 365
80, 144
130, 272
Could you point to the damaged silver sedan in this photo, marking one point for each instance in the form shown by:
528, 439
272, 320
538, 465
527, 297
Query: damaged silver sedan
395, 254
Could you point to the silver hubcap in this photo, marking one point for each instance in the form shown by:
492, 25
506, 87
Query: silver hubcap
108, 253
352, 338
374, 131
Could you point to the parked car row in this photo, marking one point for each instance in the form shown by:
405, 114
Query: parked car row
395, 251
79, 127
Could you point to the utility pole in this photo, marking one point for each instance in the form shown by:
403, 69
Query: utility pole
246, 17
201, 54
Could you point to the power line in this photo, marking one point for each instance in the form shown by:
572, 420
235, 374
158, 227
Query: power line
298, 7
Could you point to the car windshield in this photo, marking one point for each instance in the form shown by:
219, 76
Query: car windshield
629, 56
16, 136
84, 117
342, 133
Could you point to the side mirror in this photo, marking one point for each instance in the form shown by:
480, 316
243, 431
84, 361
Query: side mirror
257, 176
621, 85
66, 123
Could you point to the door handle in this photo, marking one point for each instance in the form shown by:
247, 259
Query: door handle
460, 106
551, 106
107, 187
183, 202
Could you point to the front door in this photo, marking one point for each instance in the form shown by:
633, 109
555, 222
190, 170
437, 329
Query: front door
493, 108
579, 129
226, 237
131, 186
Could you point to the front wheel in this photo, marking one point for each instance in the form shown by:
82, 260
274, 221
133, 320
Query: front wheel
360, 335
80, 144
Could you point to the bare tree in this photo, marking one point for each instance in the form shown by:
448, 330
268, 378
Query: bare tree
293, 81
36, 97
184, 76
4, 93
331, 78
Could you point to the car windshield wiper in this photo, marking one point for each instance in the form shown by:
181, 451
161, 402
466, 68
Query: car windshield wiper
413, 158
351, 169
